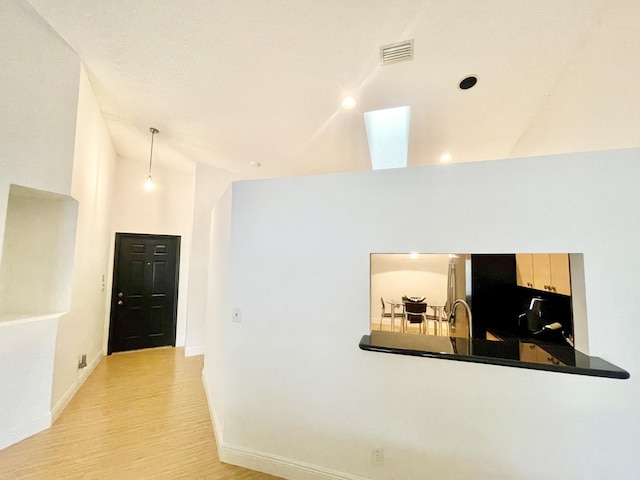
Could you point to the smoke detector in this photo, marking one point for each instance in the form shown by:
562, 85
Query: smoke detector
396, 52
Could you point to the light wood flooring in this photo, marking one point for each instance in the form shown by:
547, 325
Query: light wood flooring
140, 415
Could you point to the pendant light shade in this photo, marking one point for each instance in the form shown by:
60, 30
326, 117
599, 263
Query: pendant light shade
148, 185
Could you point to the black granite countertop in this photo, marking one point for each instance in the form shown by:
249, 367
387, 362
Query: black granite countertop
511, 352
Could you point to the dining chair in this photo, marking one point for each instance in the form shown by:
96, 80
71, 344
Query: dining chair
385, 314
415, 312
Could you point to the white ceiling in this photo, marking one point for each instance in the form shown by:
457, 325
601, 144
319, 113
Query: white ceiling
228, 82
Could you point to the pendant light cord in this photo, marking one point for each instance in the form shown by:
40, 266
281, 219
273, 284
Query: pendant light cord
153, 132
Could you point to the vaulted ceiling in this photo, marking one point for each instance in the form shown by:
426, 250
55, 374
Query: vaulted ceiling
230, 82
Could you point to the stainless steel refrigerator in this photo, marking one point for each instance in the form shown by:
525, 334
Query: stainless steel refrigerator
459, 288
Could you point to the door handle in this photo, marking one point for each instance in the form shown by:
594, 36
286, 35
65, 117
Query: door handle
120, 294
120, 302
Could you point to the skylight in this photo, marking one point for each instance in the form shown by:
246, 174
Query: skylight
388, 136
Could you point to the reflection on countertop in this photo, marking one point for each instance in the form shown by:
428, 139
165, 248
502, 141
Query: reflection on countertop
510, 352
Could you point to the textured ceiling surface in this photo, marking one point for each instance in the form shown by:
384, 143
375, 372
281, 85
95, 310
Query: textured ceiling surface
228, 82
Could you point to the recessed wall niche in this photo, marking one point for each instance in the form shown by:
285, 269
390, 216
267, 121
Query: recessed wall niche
38, 251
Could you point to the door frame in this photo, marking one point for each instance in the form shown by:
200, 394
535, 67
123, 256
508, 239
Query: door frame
114, 295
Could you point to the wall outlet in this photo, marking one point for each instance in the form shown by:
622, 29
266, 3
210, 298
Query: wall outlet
82, 361
236, 316
377, 456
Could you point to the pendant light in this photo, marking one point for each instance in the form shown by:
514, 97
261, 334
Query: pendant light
148, 185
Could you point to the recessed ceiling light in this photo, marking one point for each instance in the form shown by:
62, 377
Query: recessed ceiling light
349, 103
256, 164
445, 158
468, 82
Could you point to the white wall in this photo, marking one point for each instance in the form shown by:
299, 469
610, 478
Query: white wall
26, 351
210, 184
166, 210
298, 397
38, 94
81, 331
218, 306
39, 78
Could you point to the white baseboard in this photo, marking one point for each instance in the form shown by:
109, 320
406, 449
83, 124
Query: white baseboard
23, 431
279, 466
75, 386
217, 428
265, 462
193, 351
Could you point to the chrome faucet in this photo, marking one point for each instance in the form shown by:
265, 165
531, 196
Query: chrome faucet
452, 317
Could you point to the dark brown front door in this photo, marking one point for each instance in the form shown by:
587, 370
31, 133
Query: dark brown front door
145, 292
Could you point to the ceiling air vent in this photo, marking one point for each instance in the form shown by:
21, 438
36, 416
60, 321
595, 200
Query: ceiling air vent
396, 52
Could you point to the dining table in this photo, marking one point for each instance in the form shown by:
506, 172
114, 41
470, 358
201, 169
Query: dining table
437, 315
